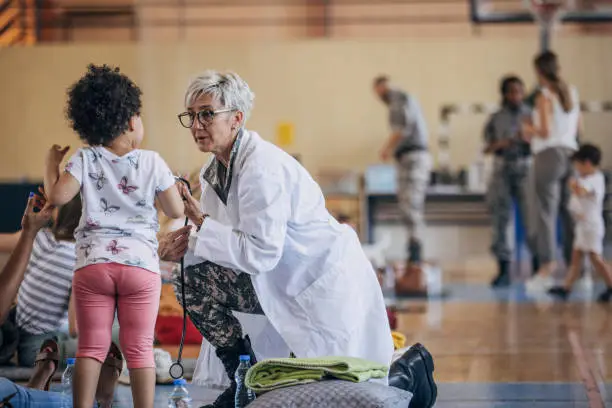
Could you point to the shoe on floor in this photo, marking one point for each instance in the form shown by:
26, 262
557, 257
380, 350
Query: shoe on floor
606, 296
559, 292
413, 372
538, 284
503, 275
229, 357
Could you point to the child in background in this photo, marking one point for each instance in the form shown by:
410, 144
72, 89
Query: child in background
586, 205
117, 264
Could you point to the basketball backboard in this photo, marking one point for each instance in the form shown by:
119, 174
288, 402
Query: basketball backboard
519, 11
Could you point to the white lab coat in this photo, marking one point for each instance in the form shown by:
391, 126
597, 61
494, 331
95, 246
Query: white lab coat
311, 276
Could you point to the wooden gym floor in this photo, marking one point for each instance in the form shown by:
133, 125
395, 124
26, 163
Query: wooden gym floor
500, 348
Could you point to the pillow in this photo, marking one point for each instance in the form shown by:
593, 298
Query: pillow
334, 394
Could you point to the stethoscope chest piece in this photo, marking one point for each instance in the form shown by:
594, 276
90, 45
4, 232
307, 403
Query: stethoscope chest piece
176, 370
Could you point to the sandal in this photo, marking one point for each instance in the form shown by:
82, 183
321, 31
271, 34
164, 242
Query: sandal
42, 375
109, 376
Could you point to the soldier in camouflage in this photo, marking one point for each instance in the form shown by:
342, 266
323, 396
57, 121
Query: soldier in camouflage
510, 169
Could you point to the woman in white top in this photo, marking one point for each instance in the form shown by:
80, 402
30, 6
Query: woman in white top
553, 136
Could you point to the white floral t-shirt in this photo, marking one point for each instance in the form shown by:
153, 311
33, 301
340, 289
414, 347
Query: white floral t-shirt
119, 221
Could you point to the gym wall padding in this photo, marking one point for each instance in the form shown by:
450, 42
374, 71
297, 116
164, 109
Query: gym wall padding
14, 197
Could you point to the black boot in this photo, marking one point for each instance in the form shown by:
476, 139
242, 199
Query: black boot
413, 372
535, 265
230, 357
414, 252
503, 275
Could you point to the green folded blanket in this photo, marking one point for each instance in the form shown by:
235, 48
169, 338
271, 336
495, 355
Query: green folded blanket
276, 373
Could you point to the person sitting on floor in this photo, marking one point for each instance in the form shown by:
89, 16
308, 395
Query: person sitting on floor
43, 296
48, 356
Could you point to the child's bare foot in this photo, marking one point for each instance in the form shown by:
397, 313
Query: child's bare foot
46, 364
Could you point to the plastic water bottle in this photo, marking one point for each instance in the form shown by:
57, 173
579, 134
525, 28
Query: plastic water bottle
67, 381
244, 395
179, 397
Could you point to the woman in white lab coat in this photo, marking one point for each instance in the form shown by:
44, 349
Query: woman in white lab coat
265, 244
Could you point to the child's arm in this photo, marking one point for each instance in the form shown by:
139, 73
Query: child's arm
171, 202
580, 190
168, 196
59, 189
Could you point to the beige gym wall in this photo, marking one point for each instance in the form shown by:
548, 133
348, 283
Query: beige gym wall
323, 86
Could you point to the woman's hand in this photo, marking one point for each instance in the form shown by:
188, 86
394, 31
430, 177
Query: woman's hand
32, 221
55, 155
172, 246
192, 206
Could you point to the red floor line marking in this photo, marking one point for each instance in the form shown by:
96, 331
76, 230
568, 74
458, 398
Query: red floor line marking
587, 375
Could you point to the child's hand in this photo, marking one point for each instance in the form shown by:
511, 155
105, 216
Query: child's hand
55, 155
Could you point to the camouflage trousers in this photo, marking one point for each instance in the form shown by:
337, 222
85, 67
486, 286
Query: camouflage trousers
508, 182
413, 174
212, 292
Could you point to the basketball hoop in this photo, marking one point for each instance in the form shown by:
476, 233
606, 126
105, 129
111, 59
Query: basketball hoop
547, 13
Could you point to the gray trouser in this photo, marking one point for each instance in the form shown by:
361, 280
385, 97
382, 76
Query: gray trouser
549, 197
212, 292
413, 172
508, 182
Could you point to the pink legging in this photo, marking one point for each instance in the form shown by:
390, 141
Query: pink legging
99, 289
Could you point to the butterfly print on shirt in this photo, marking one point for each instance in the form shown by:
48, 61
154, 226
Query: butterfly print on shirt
69, 167
143, 204
92, 224
107, 208
86, 248
100, 260
134, 262
99, 178
114, 248
133, 161
94, 156
125, 187
137, 219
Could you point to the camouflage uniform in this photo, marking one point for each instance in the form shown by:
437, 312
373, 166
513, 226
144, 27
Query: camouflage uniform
509, 177
212, 292
413, 166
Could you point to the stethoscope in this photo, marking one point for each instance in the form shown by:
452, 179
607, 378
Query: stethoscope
177, 370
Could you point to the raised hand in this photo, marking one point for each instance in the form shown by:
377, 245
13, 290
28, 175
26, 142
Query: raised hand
55, 155
33, 221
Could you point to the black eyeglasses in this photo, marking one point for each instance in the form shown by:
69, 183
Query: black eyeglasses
205, 117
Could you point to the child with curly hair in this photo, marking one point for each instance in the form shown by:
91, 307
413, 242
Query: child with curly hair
117, 263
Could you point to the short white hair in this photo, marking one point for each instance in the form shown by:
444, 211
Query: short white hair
226, 87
